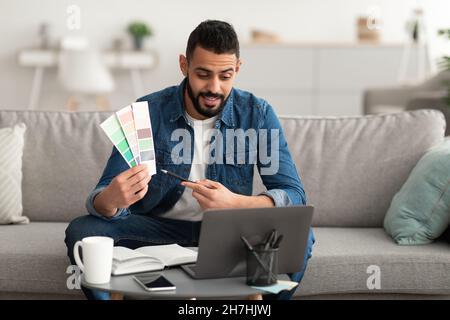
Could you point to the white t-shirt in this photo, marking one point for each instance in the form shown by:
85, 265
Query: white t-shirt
187, 208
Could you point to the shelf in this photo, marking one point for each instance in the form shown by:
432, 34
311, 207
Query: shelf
122, 60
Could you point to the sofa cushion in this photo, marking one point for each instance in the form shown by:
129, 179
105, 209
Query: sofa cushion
351, 167
33, 258
342, 258
63, 158
420, 211
11, 150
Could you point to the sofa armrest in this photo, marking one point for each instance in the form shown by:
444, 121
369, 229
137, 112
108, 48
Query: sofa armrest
431, 101
372, 98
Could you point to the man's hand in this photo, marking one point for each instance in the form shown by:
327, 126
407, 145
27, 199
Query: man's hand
124, 190
214, 195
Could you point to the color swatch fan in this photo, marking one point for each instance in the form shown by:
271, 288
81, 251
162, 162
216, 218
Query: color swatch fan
130, 130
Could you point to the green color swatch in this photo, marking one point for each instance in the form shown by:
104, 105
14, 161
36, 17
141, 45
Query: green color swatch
113, 130
146, 144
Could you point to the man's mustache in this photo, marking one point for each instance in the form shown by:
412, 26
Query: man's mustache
211, 95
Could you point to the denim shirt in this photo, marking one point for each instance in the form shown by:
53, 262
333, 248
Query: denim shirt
174, 152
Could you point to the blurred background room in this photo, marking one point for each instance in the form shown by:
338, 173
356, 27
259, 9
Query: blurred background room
306, 57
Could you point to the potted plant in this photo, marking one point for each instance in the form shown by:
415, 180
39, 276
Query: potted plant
445, 63
139, 30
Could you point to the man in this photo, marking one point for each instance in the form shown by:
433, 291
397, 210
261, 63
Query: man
204, 111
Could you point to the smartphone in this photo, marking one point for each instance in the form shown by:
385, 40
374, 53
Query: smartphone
154, 282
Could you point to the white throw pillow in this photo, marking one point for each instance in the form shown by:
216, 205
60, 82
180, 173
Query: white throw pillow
11, 150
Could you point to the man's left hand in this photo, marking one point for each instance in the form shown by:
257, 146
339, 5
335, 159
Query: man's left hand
213, 195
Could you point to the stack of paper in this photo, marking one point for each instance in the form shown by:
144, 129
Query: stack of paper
130, 130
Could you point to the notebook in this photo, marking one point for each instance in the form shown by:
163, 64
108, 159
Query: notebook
150, 258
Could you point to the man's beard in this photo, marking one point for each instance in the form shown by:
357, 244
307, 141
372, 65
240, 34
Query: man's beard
205, 111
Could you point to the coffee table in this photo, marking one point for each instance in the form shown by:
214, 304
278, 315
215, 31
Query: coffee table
186, 287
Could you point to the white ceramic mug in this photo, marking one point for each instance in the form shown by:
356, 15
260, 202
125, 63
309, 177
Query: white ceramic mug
97, 258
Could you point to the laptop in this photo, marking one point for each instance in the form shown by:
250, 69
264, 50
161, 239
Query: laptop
222, 254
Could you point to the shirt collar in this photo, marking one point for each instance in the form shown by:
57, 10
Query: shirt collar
226, 116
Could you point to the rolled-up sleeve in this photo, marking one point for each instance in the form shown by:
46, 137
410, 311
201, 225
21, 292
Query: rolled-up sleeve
280, 197
121, 212
280, 175
116, 165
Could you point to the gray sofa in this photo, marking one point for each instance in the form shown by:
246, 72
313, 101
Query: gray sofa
351, 168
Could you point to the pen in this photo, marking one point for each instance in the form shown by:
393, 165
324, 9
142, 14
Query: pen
277, 242
275, 237
180, 178
175, 176
250, 248
269, 240
247, 244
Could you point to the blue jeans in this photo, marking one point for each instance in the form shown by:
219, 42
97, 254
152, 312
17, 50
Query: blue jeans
135, 231
298, 276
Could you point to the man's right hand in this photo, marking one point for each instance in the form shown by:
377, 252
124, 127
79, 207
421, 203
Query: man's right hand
124, 190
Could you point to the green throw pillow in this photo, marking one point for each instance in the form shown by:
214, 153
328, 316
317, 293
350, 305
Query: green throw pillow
420, 211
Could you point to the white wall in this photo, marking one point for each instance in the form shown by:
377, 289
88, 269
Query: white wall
173, 20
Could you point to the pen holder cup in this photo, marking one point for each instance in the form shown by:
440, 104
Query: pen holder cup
262, 266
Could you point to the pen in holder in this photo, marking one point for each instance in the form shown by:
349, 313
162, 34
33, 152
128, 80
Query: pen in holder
262, 264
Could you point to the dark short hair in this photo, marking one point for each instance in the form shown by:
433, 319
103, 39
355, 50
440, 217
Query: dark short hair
213, 35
